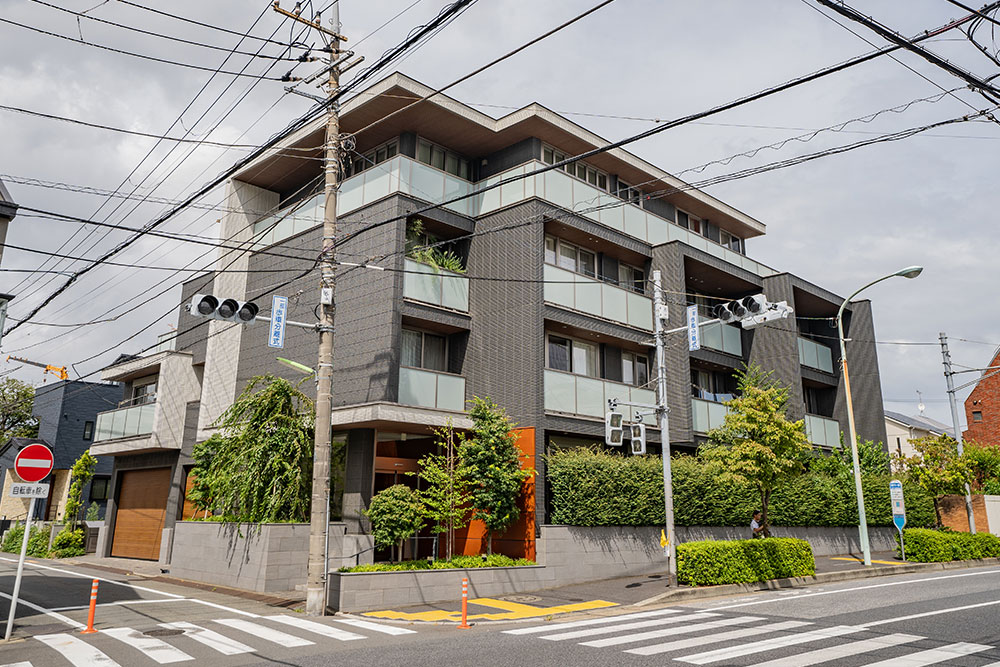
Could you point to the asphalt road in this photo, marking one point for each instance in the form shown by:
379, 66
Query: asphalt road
945, 618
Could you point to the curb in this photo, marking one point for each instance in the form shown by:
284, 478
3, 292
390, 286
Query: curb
821, 578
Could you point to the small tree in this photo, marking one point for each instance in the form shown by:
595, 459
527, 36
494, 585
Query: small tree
496, 477
396, 514
16, 400
938, 468
757, 444
984, 462
446, 492
83, 471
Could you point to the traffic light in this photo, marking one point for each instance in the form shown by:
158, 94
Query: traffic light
727, 312
638, 432
231, 310
614, 431
751, 311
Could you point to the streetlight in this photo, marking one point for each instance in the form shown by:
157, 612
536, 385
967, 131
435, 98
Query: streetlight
908, 272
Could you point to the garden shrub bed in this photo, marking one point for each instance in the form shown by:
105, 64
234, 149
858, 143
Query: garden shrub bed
940, 546
711, 563
456, 563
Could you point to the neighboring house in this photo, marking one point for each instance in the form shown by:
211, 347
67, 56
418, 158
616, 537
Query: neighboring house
553, 317
900, 430
8, 209
982, 407
67, 415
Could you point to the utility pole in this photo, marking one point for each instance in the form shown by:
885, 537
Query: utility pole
950, 379
659, 317
317, 573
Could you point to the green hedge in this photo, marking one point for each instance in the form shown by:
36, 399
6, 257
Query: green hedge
939, 546
458, 562
38, 542
591, 487
743, 561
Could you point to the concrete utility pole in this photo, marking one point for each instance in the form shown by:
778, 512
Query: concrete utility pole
950, 379
659, 316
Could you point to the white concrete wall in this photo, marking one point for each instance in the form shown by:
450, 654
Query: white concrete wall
178, 385
993, 513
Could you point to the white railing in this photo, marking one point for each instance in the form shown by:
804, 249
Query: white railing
126, 422
423, 282
823, 431
706, 415
595, 297
431, 389
580, 395
815, 355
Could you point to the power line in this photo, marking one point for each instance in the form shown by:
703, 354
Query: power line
269, 40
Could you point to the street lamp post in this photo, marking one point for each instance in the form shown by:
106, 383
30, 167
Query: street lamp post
908, 272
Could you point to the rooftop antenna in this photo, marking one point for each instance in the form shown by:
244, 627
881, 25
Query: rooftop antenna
920, 402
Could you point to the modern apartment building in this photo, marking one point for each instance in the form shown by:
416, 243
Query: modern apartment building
550, 314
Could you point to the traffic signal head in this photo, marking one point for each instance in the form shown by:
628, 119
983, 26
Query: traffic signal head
728, 312
755, 304
231, 310
614, 431
638, 433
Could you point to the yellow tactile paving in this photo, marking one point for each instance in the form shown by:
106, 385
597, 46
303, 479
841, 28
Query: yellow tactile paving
511, 611
858, 560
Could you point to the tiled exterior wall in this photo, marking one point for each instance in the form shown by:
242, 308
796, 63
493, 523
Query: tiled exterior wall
985, 398
866, 385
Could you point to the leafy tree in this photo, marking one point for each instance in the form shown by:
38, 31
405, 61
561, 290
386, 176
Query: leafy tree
984, 463
446, 494
81, 474
757, 444
495, 474
396, 514
258, 469
938, 468
872, 456
16, 400
94, 512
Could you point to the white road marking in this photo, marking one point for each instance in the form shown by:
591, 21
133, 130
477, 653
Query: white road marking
213, 640
17, 664
231, 610
576, 634
768, 645
153, 648
932, 656
717, 638
592, 621
931, 613
48, 612
90, 576
77, 651
665, 632
119, 603
841, 651
318, 628
264, 632
374, 627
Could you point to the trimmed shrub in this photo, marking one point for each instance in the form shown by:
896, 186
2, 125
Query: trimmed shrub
68, 543
458, 562
939, 546
712, 563
12, 539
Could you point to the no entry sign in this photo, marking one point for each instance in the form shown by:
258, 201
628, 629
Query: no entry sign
33, 463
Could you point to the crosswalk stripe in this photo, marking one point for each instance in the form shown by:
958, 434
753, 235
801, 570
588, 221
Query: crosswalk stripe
663, 632
210, 638
592, 621
264, 632
768, 645
318, 628
841, 651
717, 637
588, 632
374, 627
17, 664
152, 647
932, 656
77, 651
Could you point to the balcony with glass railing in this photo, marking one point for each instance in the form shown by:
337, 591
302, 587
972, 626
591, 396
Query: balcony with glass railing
722, 337
579, 395
815, 355
431, 389
129, 421
706, 414
823, 431
598, 298
436, 286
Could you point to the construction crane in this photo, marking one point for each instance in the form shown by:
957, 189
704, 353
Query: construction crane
58, 371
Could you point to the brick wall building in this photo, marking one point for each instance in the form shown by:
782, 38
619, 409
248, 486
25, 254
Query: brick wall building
982, 407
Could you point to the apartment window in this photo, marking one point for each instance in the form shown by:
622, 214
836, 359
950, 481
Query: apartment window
573, 356
631, 277
712, 385
728, 240
635, 369
977, 416
88, 430
581, 170
630, 194
373, 157
99, 489
443, 159
570, 257
143, 391
424, 350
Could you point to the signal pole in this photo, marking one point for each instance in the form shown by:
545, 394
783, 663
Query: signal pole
659, 316
949, 377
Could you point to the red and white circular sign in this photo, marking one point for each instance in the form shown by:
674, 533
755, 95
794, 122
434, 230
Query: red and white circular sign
33, 463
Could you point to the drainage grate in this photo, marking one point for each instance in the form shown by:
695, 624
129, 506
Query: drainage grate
522, 598
163, 632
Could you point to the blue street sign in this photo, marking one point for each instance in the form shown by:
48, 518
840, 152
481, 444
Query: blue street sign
899, 520
694, 336
279, 314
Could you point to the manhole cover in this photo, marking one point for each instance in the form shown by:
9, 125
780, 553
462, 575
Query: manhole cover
163, 632
522, 598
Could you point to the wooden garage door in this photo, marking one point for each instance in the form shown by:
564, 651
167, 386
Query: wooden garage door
142, 505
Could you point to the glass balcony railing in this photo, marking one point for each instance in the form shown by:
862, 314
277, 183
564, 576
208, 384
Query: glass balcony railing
594, 297
430, 389
823, 431
127, 422
706, 415
423, 282
815, 355
722, 337
579, 395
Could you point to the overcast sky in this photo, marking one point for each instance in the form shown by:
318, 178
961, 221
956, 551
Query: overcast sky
839, 221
